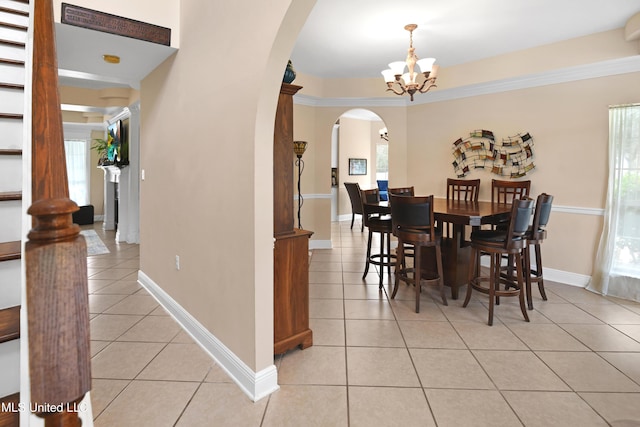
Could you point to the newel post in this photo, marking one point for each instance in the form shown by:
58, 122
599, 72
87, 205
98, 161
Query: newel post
55, 253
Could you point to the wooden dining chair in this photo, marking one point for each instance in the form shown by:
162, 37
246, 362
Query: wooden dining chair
460, 190
353, 189
466, 190
376, 222
402, 191
413, 224
496, 243
507, 191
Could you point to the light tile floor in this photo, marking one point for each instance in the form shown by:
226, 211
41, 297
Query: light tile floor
374, 362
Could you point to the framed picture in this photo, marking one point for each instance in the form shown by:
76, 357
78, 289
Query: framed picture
357, 166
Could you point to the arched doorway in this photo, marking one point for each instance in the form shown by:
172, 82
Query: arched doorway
358, 154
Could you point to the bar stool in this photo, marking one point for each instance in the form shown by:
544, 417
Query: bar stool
535, 236
460, 191
414, 224
497, 243
404, 191
507, 192
377, 222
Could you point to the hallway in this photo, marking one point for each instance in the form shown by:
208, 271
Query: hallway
374, 362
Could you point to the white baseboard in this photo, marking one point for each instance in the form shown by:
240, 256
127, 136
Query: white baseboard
256, 385
320, 244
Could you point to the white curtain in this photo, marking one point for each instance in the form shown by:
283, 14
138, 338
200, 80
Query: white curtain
77, 171
617, 268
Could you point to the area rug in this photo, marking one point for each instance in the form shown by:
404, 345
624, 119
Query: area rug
95, 246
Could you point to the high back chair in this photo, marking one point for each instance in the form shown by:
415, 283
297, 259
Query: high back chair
376, 222
507, 191
460, 190
383, 185
535, 236
353, 189
413, 224
402, 191
463, 190
496, 243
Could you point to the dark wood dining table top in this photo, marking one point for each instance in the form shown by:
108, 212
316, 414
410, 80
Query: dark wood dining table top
469, 213
463, 213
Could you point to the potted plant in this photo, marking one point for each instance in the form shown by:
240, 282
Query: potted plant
106, 151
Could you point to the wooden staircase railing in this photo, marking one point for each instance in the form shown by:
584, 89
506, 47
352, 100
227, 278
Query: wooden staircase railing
55, 253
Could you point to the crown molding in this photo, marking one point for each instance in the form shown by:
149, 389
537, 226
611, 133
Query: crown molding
81, 130
607, 68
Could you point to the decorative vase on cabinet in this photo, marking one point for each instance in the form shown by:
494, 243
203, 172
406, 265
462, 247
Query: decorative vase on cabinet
289, 73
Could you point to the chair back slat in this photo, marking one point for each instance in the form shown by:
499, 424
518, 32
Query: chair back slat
466, 190
508, 191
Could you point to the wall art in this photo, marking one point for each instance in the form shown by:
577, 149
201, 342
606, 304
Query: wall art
510, 157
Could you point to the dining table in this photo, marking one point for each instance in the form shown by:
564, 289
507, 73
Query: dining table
455, 248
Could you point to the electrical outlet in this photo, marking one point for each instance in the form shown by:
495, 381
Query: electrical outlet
142, 174
177, 262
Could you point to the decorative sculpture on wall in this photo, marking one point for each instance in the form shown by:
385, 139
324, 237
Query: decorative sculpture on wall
512, 157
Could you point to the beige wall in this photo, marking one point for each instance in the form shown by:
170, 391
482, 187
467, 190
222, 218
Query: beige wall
207, 150
569, 125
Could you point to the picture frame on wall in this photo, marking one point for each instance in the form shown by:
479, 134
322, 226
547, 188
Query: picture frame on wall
357, 166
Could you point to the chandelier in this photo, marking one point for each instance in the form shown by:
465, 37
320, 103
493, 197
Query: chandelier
400, 82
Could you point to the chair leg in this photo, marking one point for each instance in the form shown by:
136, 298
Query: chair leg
382, 260
472, 275
399, 269
496, 274
388, 254
362, 225
521, 285
417, 274
527, 273
539, 273
366, 266
440, 275
353, 217
495, 264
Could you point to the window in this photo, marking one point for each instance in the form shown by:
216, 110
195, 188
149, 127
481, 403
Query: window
77, 157
626, 189
382, 160
617, 267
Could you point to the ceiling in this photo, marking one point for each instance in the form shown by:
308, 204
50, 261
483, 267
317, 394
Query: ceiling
357, 38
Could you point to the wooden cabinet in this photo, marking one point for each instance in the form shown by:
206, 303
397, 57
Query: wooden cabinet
291, 250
